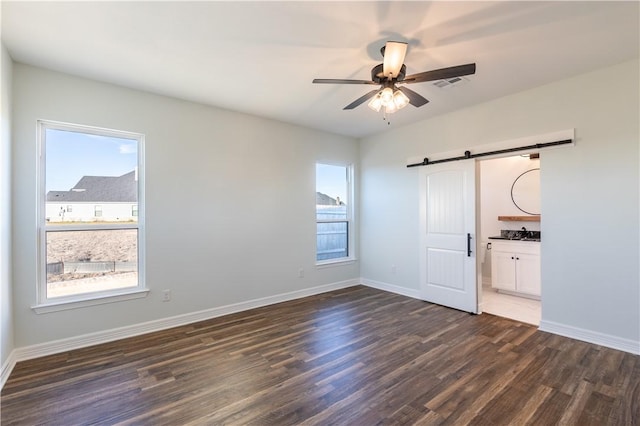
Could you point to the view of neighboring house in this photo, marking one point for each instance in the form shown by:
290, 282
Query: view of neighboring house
95, 199
325, 200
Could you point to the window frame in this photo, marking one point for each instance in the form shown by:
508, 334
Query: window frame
351, 246
45, 304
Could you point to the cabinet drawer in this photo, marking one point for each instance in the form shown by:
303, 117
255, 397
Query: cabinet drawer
526, 247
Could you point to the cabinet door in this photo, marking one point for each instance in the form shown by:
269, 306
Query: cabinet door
503, 270
528, 273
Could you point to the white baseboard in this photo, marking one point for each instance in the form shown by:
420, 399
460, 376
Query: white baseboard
614, 342
85, 340
589, 336
409, 292
7, 368
77, 342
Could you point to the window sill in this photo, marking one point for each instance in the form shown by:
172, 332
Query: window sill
335, 262
63, 305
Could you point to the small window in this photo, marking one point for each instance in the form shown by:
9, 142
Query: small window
96, 252
333, 213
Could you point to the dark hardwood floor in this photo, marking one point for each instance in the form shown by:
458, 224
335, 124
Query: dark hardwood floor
357, 356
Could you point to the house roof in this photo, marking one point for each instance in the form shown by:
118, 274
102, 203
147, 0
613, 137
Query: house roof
100, 189
326, 200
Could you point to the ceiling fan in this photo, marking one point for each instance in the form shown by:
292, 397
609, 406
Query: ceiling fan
390, 74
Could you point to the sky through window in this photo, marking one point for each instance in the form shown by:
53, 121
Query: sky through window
72, 155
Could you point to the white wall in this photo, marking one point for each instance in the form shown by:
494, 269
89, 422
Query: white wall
230, 202
6, 317
496, 178
590, 195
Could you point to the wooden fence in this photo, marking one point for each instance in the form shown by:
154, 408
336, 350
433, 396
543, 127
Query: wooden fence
90, 267
332, 232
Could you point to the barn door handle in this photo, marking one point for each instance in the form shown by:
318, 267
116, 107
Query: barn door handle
468, 245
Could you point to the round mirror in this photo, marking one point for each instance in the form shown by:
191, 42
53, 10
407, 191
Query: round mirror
525, 192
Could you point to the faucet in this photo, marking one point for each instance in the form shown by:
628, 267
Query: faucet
525, 233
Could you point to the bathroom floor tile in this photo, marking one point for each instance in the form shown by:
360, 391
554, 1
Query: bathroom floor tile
514, 307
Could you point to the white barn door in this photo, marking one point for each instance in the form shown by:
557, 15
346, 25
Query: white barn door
448, 237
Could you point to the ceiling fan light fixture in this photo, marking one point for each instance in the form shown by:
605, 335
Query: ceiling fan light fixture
393, 71
400, 100
389, 99
393, 53
390, 108
386, 95
375, 103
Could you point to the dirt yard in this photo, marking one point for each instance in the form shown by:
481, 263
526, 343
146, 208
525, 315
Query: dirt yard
91, 246
96, 246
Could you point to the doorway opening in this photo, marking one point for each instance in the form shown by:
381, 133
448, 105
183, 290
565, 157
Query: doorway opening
509, 237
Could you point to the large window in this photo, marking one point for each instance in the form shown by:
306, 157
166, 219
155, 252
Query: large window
91, 214
334, 239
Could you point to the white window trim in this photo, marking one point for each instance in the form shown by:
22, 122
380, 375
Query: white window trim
351, 258
91, 299
336, 262
45, 305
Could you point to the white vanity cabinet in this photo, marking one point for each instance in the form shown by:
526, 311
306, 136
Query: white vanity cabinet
515, 266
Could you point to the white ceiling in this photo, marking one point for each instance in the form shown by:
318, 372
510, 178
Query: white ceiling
260, 57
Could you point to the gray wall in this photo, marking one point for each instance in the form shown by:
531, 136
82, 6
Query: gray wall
590, 194
230, 202
217, 182
6, 317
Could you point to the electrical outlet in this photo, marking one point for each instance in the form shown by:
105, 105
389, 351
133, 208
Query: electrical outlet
166, 295
393, 269
300, 273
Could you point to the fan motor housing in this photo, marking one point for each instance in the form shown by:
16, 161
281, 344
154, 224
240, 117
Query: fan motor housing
378, 76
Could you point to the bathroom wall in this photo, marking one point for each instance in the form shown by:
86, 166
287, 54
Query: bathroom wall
496, 178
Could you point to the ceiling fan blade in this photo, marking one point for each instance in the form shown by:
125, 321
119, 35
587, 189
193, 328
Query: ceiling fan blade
415, 99
362, 99
394, 53
441, 74
342, 81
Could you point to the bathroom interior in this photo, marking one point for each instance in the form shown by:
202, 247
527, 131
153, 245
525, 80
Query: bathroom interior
510, 237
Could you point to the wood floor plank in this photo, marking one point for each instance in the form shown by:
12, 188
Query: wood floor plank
356, 356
